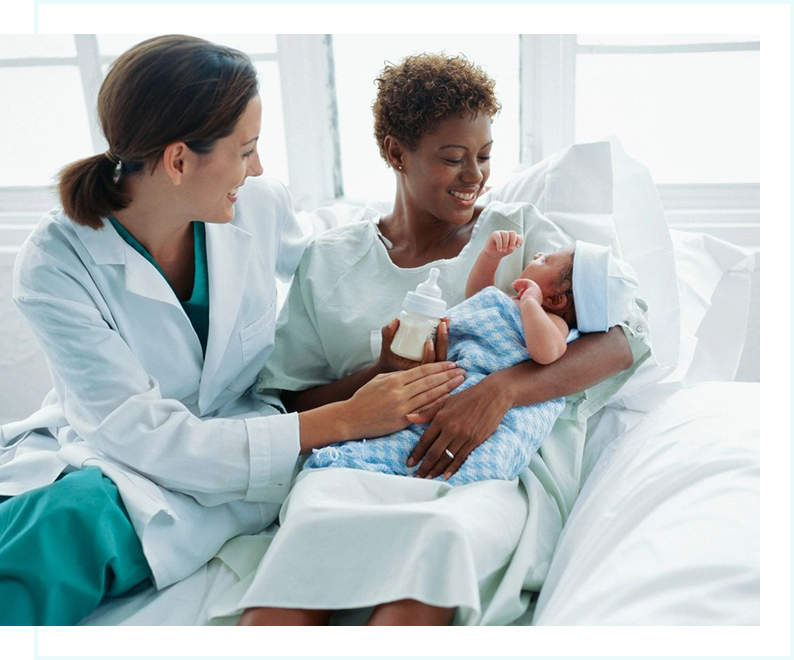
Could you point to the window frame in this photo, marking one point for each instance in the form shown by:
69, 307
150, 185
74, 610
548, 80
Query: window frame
547, 79
548, 82
310, 128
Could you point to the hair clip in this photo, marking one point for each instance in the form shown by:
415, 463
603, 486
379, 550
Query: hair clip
117, 170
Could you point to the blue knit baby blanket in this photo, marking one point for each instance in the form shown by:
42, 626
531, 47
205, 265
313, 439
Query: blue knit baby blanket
485, 335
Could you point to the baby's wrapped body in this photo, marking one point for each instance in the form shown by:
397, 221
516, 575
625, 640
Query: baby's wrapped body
485, 335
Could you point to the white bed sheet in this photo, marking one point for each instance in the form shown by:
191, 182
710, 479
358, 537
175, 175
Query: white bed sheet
182, 604
666, 529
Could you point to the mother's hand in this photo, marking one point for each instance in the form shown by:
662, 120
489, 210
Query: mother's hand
465, 421
434, 351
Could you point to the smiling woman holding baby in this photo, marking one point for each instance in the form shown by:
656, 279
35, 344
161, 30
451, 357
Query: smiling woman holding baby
421, 550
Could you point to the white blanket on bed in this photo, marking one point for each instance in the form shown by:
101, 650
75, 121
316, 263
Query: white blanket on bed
665, 530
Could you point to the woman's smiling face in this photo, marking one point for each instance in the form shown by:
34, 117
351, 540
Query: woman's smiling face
447, 171
219, 174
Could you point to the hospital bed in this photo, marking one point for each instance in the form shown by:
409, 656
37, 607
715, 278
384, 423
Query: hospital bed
665, 530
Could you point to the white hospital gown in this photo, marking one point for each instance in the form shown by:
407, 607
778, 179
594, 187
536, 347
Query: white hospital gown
353, 539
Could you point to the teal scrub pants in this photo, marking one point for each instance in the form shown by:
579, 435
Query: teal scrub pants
63, 548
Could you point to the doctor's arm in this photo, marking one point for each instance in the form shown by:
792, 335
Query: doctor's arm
113, 404
118, 409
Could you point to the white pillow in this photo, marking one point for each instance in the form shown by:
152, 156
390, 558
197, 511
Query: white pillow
715, 286
596, 193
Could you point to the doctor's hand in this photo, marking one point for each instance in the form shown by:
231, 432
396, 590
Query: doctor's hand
463, 423
382, 405
434, 352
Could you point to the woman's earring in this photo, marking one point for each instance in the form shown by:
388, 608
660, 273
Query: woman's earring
400, 167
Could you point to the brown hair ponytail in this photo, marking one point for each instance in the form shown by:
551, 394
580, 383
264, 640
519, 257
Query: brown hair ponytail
168, 89
88, 192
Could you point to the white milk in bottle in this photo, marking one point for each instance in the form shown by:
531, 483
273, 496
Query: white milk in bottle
422, 311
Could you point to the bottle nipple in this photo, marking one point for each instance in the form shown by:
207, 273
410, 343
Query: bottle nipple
426, 299
430, 287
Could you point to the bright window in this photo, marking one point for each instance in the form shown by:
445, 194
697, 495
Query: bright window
691, 117
16, 46
45, 121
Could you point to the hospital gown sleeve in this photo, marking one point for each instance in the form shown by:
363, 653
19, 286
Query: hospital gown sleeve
113, 404
299, 360
585, 404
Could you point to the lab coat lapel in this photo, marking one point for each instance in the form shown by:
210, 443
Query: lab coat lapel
143, 279
228, 252
106, 247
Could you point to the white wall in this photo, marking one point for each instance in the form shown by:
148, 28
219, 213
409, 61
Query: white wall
24, 377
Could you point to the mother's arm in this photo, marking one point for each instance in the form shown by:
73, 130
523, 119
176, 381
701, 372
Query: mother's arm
469, 418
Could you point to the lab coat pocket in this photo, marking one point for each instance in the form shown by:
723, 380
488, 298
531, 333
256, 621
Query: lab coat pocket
257, 342
257, 334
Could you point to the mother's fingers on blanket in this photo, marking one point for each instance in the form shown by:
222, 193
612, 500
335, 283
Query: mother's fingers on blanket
467, 420
436, 460
460, 457
428, 413
443, 464
425, 441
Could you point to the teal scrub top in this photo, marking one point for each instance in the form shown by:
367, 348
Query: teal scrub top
197, 307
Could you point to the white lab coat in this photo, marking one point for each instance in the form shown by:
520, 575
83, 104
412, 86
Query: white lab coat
195, 458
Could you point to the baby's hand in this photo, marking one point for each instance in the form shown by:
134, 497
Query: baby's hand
502, 243
527, 289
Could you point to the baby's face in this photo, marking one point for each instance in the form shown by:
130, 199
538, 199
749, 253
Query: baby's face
547, 270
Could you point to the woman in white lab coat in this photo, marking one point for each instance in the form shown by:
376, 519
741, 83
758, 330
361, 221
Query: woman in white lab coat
152, 292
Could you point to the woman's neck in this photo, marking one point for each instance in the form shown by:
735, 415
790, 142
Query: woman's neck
157, 225
419, 238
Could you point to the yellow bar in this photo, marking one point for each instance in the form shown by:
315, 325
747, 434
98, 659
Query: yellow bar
211, 641
559, 633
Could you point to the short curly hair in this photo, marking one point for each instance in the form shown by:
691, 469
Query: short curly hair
423, 89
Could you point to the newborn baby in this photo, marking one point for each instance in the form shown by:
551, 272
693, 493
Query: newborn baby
581, 286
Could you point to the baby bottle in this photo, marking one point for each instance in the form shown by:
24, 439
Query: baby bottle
422, 311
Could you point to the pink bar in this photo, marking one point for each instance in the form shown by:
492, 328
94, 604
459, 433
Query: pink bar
303, 632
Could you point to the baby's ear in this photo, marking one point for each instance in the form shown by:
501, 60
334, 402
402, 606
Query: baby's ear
556, 301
